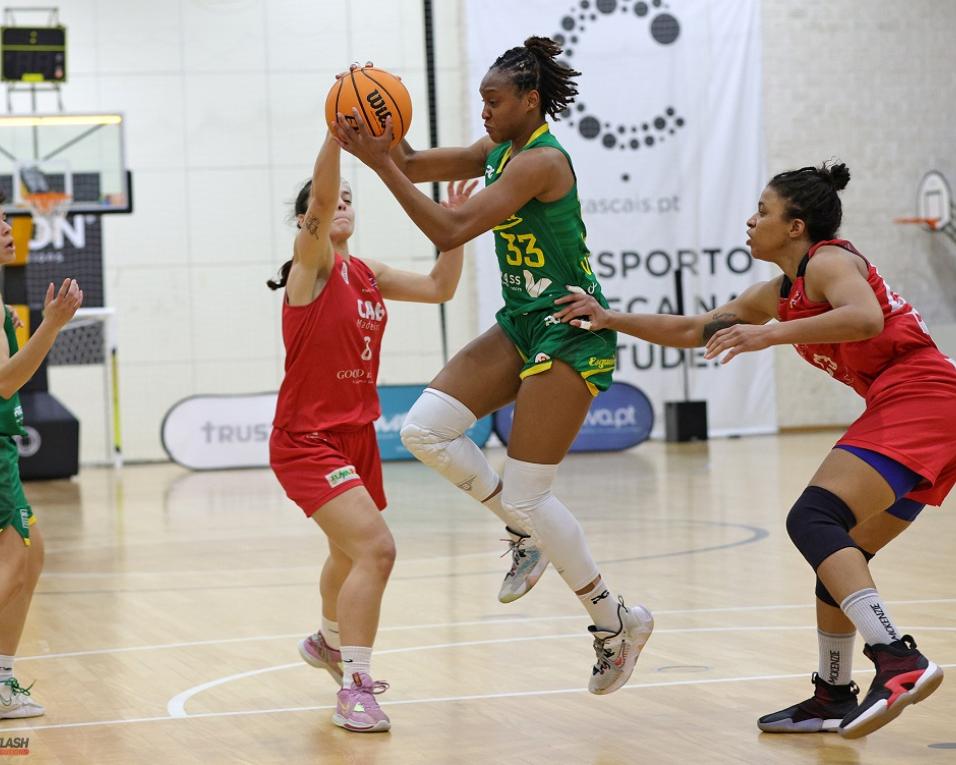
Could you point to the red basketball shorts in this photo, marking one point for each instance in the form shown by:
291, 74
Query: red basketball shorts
314, 468
911, 417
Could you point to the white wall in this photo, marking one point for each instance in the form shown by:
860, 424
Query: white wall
224, 108
871, 84
223, 100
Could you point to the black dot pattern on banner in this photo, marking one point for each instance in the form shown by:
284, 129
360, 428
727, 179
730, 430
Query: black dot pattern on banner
590, 127
664, 29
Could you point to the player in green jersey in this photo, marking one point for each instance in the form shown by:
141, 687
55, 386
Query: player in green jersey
21, 545
531, 203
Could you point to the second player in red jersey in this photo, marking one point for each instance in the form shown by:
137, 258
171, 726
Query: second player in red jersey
323, 448
833, 306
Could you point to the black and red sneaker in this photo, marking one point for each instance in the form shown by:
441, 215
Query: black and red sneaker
903, 677
821, 712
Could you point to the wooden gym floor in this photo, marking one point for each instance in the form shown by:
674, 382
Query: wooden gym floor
164, 629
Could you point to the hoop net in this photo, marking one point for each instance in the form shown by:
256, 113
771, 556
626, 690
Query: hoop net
48, 204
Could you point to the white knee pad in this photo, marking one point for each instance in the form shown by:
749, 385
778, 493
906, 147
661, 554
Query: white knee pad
434, 432
526, 494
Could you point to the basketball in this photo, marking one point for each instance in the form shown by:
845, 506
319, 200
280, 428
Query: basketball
377, 94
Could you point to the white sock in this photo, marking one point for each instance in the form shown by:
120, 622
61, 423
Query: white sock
868, 613
527, 495
510, 522
6, 668
330, 631
601, 606
836, 657
356, 659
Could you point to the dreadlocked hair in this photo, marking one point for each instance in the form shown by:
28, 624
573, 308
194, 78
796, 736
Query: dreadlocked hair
811, 195
533, 66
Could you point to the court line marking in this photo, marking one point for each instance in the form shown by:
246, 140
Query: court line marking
757, 533
448, 625
176, 706
434, 700
313, 569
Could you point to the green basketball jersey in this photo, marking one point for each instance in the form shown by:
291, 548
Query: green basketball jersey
541, 249
11, 414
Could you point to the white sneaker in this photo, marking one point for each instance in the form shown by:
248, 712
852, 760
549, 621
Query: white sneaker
616, 658
15, 702
527, 565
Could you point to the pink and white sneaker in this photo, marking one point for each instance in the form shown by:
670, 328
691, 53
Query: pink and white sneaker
316, 652
357, 710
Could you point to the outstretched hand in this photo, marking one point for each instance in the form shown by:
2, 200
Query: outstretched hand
458, 193
15, 318
352, 133
59, 307
741, 338
582, 310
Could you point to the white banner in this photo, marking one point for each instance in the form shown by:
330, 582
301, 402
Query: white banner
666, 139
217, 432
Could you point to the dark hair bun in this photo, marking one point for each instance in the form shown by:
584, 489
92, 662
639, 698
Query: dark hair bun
542, 45
838, 175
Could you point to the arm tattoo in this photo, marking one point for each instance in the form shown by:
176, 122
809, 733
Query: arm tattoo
311, 224
720, 321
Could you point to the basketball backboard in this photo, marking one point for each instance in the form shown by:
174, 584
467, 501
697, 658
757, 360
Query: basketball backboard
77, 156
933, 199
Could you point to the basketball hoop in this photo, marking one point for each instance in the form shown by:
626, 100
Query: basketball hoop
48, 204
931, 224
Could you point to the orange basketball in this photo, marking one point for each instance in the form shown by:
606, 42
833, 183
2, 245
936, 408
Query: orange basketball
377, 94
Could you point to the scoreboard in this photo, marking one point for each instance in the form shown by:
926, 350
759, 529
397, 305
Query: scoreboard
33, 54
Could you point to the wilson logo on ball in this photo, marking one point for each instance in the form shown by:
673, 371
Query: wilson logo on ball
377, 95
377, 103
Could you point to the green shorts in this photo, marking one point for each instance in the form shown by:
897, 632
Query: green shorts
540, 340
14, 510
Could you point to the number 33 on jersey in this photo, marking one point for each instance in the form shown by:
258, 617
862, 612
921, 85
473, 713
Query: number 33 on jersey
541, 249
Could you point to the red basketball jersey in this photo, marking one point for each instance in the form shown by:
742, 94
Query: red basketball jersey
332, 350
859, 363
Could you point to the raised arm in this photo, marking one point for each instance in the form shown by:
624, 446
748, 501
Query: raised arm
527, 175
438, 286
755, 305
446, 164
58, 309
313, 257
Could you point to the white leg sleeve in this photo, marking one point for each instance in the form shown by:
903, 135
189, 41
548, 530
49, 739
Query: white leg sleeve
434, 432
527, 495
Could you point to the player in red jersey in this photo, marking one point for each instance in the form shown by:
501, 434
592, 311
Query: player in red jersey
323, 448
833, 306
